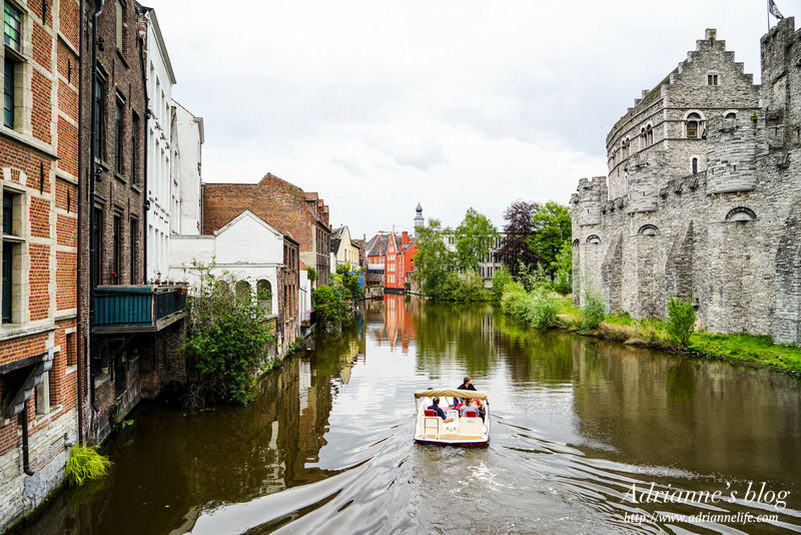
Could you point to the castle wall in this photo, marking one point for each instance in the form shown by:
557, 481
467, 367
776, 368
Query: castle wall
725, 237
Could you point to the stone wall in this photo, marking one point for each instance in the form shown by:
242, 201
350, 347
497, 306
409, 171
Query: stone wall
724, 237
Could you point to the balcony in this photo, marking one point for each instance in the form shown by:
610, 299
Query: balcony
137, 309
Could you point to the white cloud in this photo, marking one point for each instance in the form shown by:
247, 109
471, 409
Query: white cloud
456, 104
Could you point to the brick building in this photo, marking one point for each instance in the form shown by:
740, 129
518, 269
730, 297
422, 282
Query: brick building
300, 215
128, 329
39, 171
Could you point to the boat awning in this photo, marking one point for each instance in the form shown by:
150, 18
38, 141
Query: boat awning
450, 393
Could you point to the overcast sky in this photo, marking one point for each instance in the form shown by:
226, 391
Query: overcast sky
380, 104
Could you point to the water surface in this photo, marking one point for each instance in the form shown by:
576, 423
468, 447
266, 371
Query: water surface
578, 423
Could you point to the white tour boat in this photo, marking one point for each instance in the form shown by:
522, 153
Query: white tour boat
459, 428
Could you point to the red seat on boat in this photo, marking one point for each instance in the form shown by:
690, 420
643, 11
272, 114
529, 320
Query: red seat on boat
470, 414
430, 412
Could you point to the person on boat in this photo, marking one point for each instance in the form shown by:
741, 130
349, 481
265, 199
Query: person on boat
469, 405
467, 384
435, 407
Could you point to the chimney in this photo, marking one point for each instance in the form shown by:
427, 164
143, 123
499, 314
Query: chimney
405, 238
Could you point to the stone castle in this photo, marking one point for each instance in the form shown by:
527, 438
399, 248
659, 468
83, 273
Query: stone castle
703, 196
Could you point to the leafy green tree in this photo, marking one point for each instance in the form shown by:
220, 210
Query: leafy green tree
350, 280
474, 236
500, 280
329, 302
563, 269
311, 273
228, 342
433, 261
552, 227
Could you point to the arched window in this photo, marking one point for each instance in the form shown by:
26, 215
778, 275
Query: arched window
649, 135
243, 290
593, 238
264, 295
624, 148
648, 230
576, 242
741, 214
643, 138
693, 125
694, 165
730, 115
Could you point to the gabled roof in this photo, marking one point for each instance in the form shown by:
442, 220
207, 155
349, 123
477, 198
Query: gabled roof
245, 215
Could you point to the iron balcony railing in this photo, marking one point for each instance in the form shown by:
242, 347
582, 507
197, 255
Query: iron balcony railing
145, 308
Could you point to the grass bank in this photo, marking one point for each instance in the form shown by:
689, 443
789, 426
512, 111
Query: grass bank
650, 332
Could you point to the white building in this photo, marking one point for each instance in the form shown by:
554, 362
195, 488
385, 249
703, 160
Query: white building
160, 195
248, 248
188, 138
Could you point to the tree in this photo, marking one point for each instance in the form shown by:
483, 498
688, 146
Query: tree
433, 260
329, 302
228, 342
552, 227
311, 273
514, 250
350, 280
474, 237
563, 269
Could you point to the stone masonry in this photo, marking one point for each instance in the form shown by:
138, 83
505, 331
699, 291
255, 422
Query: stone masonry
703, 194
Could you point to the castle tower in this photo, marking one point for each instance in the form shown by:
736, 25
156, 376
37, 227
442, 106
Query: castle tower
418, 218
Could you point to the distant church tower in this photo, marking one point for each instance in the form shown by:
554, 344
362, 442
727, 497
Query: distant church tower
418, 219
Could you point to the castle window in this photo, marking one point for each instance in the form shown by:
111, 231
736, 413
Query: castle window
576, 242
593, 239
693, 125
694, 166
648, 230
741, 214
731, 115
712, 79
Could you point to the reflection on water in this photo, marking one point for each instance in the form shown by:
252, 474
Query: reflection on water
578, 423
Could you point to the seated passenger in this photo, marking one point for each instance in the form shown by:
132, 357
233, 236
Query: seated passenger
435, 407
469, 405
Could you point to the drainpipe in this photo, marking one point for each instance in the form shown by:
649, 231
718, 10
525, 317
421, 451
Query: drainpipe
146, 203
93, 175
26, 462
81, 186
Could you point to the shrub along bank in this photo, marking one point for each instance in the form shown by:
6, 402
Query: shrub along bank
675, 333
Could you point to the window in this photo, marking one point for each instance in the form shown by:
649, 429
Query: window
9, 93
116, 257
11, 262
741, 214
594, 239
119, 109
133, 250
693, 125
134, 146
649, 135
99, 120
712, 79
71, 349
694, 165
648, 230
12, 30
97, 238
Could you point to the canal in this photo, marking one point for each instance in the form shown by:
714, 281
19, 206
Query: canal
581, 429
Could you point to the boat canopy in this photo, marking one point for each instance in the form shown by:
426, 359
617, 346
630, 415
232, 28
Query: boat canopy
450, 393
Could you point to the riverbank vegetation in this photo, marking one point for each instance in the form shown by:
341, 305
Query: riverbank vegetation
447, 262
85, 464
674, 333
333, 302
228, 342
